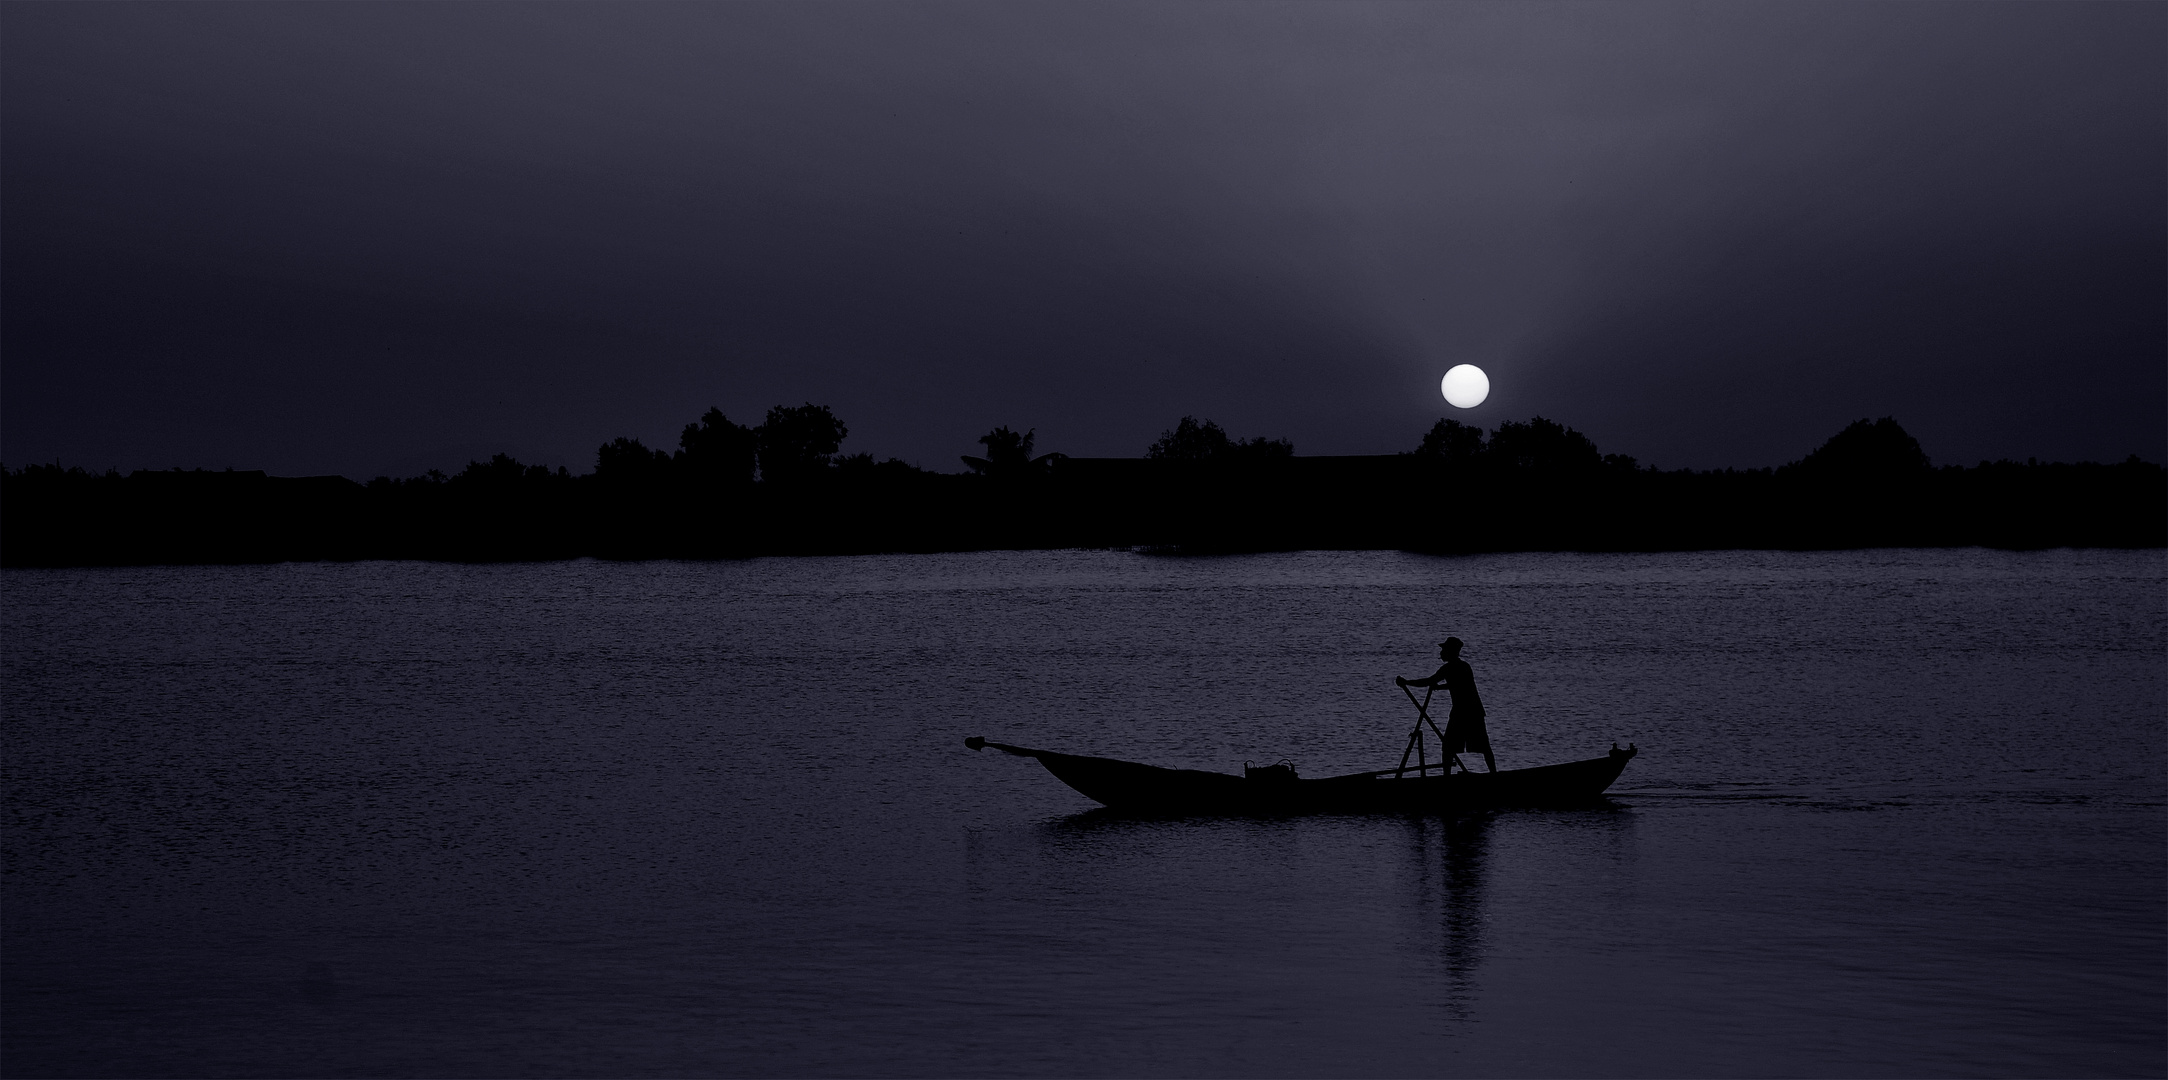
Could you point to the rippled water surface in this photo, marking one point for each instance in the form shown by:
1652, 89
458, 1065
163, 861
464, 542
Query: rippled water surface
1896, 813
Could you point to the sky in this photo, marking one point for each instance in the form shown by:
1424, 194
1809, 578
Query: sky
378, 239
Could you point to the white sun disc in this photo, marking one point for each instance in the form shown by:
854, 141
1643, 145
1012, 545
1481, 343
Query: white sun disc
1465, 386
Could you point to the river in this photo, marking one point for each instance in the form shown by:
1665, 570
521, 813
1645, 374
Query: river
1895, 813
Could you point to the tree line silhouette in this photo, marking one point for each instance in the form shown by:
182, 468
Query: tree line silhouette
784, 486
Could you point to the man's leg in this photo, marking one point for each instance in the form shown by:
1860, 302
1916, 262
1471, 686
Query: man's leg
1480, 732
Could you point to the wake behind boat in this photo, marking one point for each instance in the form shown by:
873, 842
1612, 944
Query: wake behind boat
1127, 785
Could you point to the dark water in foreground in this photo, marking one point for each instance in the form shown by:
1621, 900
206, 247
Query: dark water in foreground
1897, 813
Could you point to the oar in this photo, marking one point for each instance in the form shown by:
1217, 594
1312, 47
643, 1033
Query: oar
1415, 738
1422, 713
1422, 709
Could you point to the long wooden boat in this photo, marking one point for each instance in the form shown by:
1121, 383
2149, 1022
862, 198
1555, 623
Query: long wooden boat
1126, 785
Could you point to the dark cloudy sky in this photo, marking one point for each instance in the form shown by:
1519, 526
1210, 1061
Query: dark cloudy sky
380, 238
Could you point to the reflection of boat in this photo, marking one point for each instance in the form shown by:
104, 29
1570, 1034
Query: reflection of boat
1127, 785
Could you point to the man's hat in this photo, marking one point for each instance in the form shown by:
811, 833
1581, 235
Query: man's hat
1451, 643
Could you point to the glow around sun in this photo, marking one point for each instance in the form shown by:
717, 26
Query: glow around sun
1465, 386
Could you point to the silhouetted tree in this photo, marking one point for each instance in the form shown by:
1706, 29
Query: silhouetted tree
793, 444
715, 451
862, 467
1189, 441
1192, 440
1261, 448
1542, 446
1008, 455
1453, 443
503, 472
54, 473
1879, 449
623, 462
1871, 484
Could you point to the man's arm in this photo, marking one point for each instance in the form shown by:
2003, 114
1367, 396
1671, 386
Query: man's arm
1437, 678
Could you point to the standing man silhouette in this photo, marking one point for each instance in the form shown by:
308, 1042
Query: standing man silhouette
1464, 728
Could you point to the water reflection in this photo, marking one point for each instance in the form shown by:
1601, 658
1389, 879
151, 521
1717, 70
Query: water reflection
1450, 854
1411, 916
1463, 870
